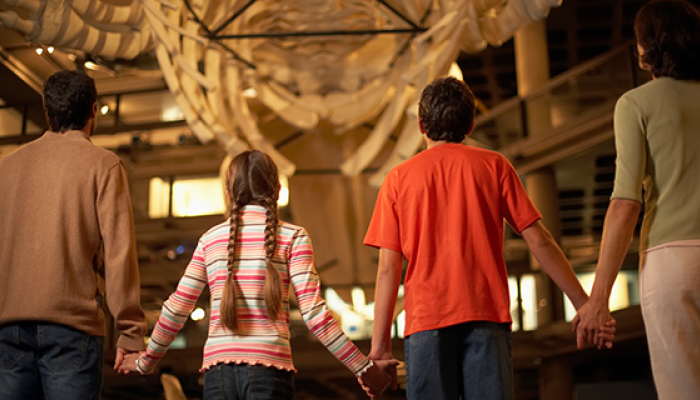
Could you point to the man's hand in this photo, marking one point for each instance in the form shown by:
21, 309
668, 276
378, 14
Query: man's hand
129, 364
119, 359
123, 356
594, 324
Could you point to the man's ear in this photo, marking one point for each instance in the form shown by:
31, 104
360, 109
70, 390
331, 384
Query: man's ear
469, 132
420, 126
93, 113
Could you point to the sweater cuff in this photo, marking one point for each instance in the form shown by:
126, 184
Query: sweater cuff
364, 369
141, 367
131, 343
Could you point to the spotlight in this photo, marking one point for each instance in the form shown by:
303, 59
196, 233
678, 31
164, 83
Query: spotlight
91, 65
172, 255
250, 93
39, 51
283, 200
50, 49
456, 71
198, 314
104, 109
183, 140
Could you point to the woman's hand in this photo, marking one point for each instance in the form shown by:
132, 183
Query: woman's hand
593, 323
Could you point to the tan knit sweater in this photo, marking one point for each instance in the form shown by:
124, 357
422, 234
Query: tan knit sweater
67, 245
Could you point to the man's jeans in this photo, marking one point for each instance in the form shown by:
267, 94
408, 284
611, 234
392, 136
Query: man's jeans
248, 382
473, 360
52, 361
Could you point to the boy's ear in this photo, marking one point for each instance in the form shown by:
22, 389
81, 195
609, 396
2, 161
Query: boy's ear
469, 132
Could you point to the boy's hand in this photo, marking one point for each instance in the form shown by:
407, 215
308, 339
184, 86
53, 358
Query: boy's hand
594, 324
378, 377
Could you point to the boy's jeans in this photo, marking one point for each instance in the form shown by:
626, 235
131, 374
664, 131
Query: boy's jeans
50, 360
472, 360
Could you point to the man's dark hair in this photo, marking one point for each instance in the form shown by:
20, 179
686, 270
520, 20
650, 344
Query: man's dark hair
68, 100
669, 33
446, 109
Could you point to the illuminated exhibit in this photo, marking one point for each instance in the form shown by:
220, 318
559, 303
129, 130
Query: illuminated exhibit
341, 61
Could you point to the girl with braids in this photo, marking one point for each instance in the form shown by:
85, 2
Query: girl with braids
249, 263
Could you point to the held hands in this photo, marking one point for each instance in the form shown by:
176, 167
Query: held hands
128, 365
119, 358
379, 377
594, 324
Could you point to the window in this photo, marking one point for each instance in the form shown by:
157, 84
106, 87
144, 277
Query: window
625, 291
194, 196
191, 197
197, 196
514, 305
528, 294
158, 198
524, 288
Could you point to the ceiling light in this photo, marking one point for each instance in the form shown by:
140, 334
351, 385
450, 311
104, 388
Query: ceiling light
198, 314
358, 298
50, 49
91, 65
104, 109
39, 51
455, 71
283, 199
250, 93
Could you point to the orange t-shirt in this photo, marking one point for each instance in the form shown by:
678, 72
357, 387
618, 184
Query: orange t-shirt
443, 210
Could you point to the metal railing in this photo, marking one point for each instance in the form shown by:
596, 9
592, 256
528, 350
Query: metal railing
587, 88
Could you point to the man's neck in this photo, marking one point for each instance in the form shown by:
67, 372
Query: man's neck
87, 129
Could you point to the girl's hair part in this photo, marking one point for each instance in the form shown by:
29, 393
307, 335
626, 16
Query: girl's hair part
252, 178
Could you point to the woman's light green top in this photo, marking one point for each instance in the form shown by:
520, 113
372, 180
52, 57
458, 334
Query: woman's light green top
657, 137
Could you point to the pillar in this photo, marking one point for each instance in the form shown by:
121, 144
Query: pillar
532, 69
556, 380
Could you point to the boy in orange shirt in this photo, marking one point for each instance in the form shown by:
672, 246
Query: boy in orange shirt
443, 210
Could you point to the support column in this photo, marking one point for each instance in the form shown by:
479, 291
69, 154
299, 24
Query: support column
556, 380
532, 69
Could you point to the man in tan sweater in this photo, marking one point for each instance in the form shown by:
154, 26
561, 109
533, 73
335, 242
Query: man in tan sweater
67, 253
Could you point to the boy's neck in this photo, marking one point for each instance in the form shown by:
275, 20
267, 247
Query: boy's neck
433, 143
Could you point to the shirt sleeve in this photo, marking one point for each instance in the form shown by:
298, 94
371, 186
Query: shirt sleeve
313, 308
176, 310
631, 147
516, 206
383, 231
122, 288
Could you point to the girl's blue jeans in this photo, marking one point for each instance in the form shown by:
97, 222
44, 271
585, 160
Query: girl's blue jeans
248, 382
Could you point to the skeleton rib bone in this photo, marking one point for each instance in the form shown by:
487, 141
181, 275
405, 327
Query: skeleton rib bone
345, 79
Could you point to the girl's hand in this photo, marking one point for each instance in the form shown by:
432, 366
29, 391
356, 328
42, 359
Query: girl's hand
378, 377
129, 364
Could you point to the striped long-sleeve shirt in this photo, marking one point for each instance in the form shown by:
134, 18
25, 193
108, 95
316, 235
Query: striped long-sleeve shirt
259, 339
